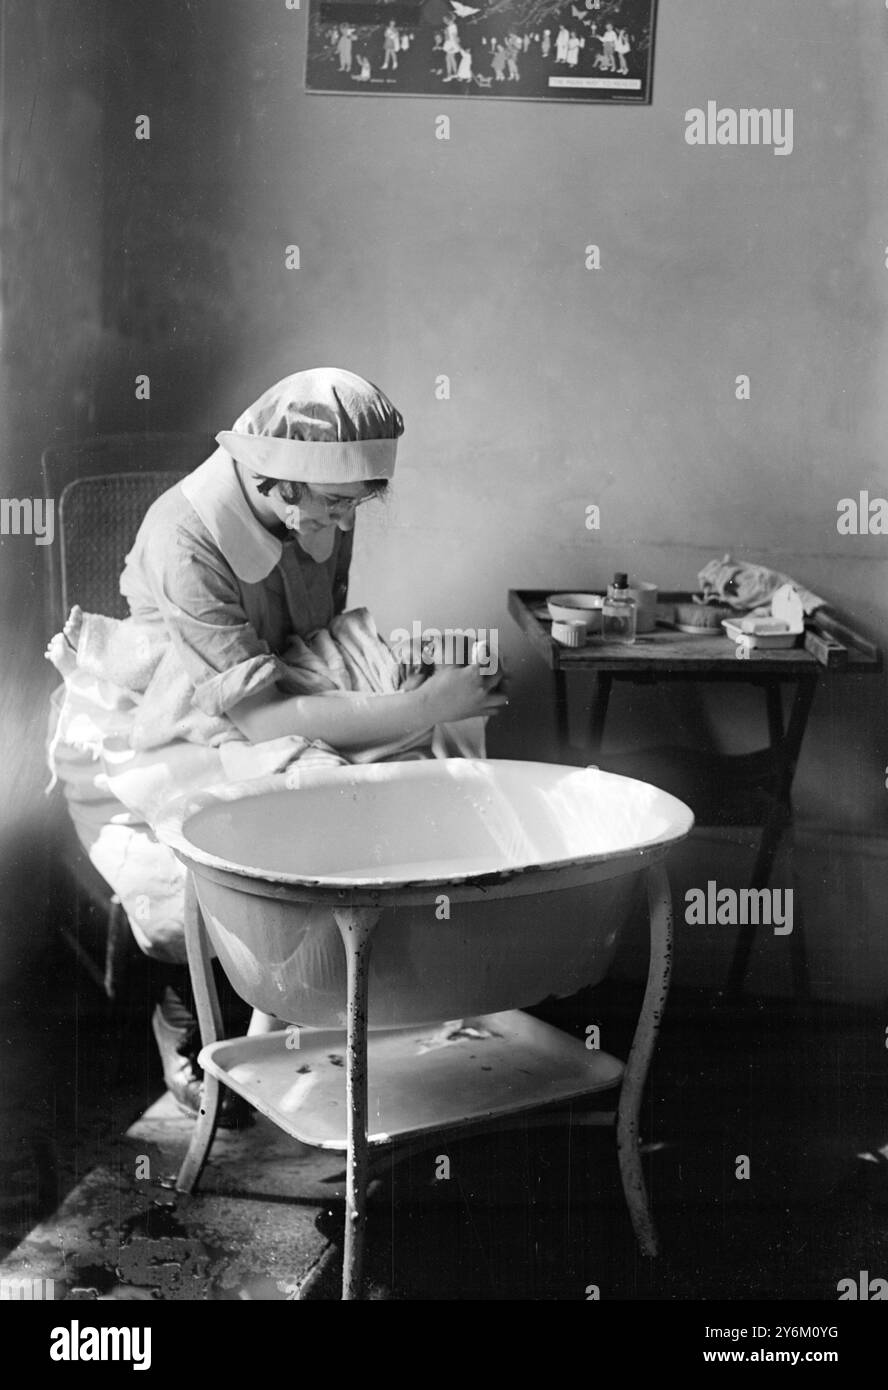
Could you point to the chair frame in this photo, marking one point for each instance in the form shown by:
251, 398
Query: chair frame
106, 456
64, 464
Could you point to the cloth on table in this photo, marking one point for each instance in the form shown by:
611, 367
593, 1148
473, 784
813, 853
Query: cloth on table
744, 586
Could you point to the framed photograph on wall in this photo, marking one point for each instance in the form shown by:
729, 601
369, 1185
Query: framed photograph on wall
530, 50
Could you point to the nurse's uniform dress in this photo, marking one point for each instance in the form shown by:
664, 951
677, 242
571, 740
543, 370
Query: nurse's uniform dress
222, 598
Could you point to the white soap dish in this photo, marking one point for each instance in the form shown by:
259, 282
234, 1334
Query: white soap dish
783, 629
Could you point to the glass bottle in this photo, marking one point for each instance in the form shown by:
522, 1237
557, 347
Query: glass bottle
618, 616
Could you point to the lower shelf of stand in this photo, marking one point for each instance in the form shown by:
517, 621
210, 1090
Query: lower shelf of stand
420, 1079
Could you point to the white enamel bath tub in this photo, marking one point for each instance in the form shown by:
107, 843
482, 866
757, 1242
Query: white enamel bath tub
501, 883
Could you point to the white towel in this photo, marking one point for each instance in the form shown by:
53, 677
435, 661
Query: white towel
115, 663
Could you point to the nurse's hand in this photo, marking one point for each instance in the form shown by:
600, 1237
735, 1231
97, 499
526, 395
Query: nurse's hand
460, 692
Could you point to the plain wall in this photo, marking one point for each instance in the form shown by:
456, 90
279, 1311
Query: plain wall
51, 254
422, 257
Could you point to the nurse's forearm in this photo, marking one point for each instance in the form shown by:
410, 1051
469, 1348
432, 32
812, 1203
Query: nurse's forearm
344, 721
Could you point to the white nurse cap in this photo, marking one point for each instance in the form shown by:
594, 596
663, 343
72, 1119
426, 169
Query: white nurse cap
325, 425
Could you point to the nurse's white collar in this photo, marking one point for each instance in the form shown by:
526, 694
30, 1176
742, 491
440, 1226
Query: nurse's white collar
215, 493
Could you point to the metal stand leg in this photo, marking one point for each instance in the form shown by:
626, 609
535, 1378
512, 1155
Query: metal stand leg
643, 1044
210, 1019
356, 926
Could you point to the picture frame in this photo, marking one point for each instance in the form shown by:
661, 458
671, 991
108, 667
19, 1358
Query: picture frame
598, 51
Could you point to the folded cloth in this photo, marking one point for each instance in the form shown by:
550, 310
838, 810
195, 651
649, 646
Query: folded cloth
748, 586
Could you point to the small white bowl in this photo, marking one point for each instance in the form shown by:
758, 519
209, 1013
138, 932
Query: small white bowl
571, 634
572, 608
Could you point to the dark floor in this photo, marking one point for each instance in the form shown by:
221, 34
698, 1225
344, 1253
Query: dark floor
526, 1214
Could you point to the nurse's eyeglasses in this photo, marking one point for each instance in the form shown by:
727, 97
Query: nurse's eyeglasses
340, 506
293, 493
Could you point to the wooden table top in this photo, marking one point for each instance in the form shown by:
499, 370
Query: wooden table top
668, 654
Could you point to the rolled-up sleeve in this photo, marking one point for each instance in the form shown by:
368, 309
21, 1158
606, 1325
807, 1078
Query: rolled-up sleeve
199, 602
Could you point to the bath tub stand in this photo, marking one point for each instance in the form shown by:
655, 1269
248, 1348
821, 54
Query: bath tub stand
261, 1071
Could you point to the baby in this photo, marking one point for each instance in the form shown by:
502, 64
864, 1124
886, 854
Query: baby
128, 654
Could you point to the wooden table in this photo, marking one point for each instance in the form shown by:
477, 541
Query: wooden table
669, 655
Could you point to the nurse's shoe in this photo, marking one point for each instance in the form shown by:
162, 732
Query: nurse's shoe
178, 1045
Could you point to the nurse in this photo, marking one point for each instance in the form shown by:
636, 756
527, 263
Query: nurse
250, 550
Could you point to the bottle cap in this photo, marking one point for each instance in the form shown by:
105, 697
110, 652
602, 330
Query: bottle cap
621, 581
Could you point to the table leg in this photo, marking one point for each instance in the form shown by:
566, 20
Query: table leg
778, 818
209, 1017
356, 925
774, 697
603, 684
643, 1044
562, 724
